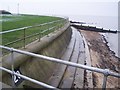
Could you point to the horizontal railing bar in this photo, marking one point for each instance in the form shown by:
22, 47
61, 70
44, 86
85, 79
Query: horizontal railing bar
104, 71
29, 79
21, 39
39, 33
29, 36
14, 41
48, 29
18, 29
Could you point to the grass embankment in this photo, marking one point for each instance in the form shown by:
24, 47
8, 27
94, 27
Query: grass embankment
18, 21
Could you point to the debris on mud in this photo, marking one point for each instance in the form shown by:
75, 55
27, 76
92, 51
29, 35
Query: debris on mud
102, 57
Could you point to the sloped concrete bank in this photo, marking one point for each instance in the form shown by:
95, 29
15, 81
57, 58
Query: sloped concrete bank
52, 45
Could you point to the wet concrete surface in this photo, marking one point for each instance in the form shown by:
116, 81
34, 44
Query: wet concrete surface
89, 48
68, 76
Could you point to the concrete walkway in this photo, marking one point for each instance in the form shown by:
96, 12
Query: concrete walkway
68, 76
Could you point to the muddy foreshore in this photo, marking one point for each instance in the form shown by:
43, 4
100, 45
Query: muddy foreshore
102, 57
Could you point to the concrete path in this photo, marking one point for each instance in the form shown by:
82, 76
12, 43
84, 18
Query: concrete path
68, 76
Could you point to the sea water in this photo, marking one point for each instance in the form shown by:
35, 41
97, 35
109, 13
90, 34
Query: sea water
106, 22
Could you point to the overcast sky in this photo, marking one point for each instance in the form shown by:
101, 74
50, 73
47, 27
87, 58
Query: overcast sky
62, 7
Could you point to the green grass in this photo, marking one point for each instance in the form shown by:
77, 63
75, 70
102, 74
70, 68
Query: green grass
18, 21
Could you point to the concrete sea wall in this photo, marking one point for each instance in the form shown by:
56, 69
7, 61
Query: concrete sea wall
52, 45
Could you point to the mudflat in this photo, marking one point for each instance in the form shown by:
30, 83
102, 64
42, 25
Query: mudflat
102, 57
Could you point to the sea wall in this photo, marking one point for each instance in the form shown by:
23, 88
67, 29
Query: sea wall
52, 45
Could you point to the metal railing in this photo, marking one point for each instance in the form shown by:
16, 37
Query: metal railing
105, 72
25, 37
18, 29
38, 34
26, 78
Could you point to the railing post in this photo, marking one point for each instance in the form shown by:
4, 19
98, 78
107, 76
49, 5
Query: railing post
12, 67
39, 36
59, 26
24, 37
47, 31
104, 82
105, 79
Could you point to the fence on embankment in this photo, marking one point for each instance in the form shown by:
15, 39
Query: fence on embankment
53, 44
20, 37
36, 68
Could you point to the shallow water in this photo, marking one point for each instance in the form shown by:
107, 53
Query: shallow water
106, 22
112, 42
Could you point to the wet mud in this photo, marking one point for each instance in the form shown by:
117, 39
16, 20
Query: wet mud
102, 57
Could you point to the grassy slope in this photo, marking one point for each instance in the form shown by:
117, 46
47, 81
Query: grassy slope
24, 20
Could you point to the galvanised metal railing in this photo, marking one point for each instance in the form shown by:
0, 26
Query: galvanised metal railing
105, 72
39, 34
18, 29
25, 37
26, 78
